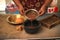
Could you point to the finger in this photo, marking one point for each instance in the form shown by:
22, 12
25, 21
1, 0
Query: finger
23, 12
42, 13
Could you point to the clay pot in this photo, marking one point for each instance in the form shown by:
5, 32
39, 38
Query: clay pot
32, 28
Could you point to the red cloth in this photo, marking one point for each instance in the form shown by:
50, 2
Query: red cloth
32, 4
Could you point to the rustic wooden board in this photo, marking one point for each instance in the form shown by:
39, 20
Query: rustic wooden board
51, 21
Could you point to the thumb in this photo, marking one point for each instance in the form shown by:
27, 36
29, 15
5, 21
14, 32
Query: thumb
40, 12
22, 12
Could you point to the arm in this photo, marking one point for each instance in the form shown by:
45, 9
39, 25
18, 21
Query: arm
17, 2
44, 7
47, 3
19, 5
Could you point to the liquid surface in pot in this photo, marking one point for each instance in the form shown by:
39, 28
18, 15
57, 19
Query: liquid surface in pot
32, 14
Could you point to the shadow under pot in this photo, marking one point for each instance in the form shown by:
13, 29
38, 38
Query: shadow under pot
31, 27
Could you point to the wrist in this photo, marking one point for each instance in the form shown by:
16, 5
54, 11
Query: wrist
45, 5
20, 6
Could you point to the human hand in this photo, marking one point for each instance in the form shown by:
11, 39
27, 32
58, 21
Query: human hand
21, 10
42, 10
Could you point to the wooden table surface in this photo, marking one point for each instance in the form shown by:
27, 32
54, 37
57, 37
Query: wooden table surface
9, 31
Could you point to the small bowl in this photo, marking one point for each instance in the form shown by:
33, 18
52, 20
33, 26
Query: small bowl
33, 10
11, 20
